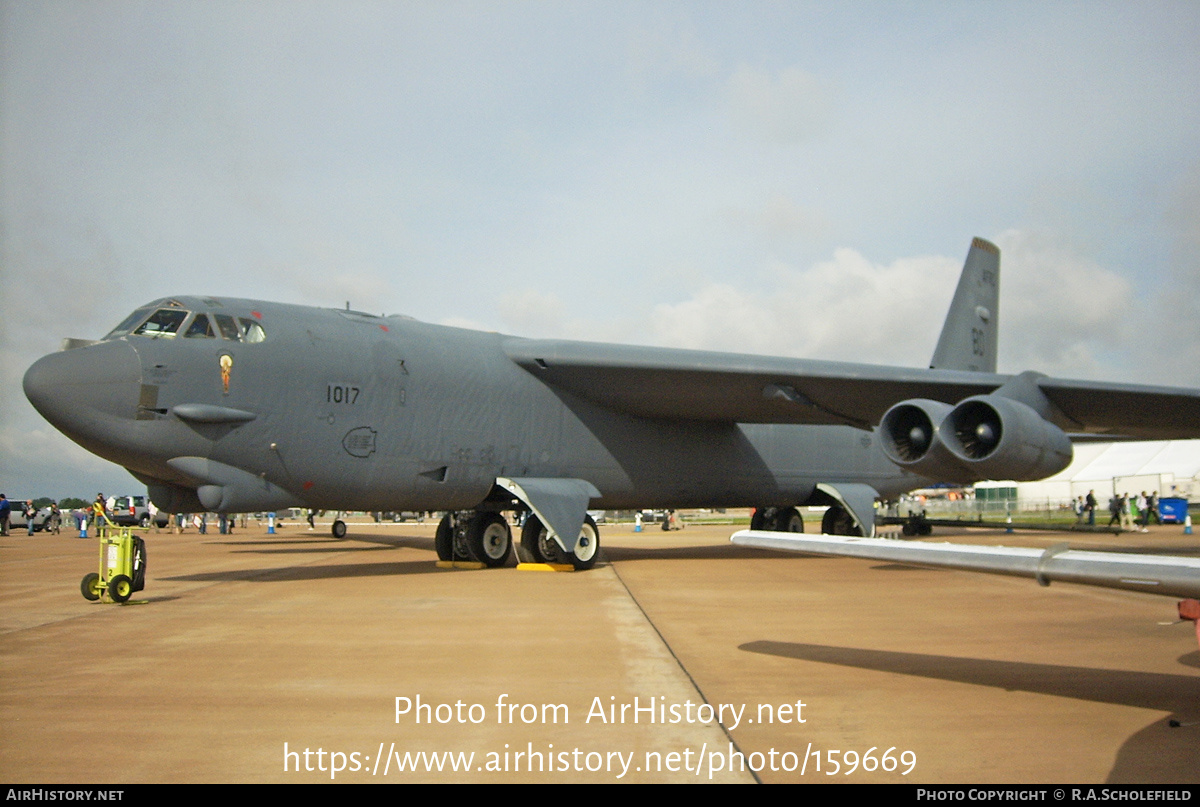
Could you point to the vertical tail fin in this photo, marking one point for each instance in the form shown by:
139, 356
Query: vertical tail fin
968, 340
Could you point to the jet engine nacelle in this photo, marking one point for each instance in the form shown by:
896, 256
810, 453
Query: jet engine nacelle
172, 498
984, 437
910, 433
999, 438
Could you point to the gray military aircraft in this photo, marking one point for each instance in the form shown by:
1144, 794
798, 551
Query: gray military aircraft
236, 405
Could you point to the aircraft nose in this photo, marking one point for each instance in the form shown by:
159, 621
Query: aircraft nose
82, 390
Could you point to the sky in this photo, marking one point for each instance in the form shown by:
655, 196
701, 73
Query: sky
794, 179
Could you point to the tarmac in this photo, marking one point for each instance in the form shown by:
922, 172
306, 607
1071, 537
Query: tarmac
294, 657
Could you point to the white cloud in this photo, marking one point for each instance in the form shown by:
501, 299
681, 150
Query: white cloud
1061, 313
847, 308
788, 106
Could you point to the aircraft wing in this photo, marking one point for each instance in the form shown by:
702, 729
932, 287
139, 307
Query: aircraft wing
700, 385
1155, 574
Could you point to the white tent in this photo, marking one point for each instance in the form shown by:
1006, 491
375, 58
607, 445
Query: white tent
1172, 467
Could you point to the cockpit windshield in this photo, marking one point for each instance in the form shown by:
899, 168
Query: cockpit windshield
128, 323
173, 319
163, 322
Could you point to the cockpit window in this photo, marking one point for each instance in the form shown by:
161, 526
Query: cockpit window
175, 319
229, 329
129, 322
251, 330
200, 328
163, 322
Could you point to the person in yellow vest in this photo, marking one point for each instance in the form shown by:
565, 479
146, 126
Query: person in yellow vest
99, 513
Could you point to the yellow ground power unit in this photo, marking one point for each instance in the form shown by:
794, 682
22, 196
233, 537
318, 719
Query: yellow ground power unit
122, 567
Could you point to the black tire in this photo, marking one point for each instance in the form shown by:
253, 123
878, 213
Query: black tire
758, 521
144, 521
838, 522
910, 529
90, 587
489, 539
788, 519
339, 529
120, 588
443, 540
537, 543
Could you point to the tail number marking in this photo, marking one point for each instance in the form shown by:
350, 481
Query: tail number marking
341, 394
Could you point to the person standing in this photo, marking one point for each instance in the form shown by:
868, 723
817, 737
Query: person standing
1090, 505
29, 514
1143, 511
1116, 508
99, 514
5, 512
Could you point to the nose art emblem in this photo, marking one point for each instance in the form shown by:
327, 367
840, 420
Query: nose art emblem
226, 369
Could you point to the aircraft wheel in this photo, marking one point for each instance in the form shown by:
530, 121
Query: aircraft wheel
537, 543
489, 539
90, 587
536, 540
443, 540
120, 588
339, 529
587, 548
788, 519
838, 522
759, 521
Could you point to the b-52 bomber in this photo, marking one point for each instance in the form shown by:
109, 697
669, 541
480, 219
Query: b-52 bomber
234, 405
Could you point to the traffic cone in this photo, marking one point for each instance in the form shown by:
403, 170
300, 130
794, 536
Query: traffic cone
1187, 525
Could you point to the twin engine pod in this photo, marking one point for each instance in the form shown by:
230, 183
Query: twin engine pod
983, 437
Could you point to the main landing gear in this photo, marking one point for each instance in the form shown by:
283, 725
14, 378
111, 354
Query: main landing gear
485, 537
838, 521
777, 519
482, 537
539, 547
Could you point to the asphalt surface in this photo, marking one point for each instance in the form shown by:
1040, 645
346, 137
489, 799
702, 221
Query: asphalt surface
245, 651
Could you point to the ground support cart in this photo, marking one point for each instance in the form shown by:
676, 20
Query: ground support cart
122, 566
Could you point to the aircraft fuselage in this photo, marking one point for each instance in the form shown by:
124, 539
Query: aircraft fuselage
343, 410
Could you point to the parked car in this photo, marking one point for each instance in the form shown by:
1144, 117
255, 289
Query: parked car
398, 517
16, 518
129, 511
